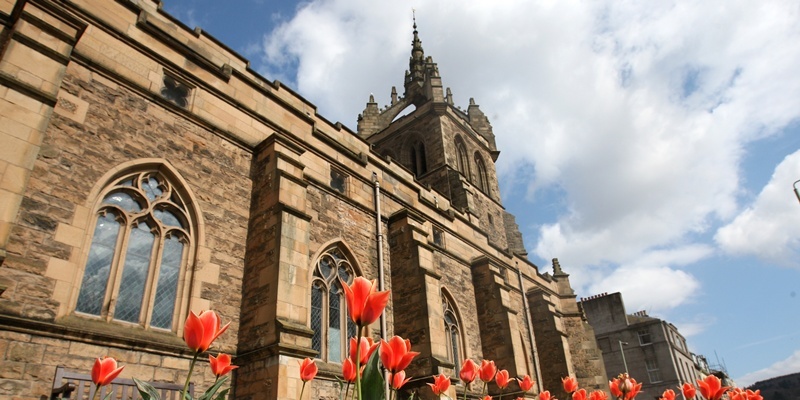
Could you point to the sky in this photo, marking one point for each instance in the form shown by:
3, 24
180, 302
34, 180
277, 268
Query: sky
651, 146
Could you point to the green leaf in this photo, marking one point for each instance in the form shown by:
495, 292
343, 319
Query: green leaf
222, 394
372, 383
209, 394
146, 390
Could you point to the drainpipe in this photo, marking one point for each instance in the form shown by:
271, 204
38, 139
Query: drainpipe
534, 358
381, 284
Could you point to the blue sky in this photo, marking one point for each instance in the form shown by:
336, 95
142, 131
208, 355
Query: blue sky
650, 146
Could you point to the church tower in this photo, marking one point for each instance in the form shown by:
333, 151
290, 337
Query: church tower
448, 149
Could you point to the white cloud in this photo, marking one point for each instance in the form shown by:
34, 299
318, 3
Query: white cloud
770, 227
784, 367
638, 112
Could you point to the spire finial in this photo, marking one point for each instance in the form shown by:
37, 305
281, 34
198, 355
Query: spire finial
414, 17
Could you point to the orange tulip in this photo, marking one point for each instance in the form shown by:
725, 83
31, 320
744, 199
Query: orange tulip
487, 371
399, 379
105, 370
545, 395
440, 384
669, 394
364, 304
598, 395
570, 384
502, 379
222, 364
741, 394
469, 371
487, 397
689, 391
624, 387
308, 370
201, 330
526, 384
368, 346
349, 370
396, 354
579, 394
711, 388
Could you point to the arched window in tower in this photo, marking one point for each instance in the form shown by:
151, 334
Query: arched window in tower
480, 178
417, 160
462, 162
452, 332
329, 318
142, 243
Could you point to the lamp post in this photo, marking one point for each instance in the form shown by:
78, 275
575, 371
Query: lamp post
622, 351
796, 189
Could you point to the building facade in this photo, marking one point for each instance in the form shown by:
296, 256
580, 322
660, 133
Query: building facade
651, 350
146, 171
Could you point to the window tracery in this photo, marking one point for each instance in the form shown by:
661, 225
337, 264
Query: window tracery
329, 317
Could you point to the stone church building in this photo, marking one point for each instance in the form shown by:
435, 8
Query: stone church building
146, 170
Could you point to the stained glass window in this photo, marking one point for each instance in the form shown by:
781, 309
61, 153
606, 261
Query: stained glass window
452, 333
138, 253
329, 319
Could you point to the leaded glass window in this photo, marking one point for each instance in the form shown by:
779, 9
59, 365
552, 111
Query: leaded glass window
452, 332
329, 318
138, 253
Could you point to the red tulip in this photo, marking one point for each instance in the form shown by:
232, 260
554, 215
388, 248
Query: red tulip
711, 388
502, 379
440, 384
689, 391
487, 397
364, 304
598, 395
741, 394
368, 346
545, 395
349, 370
624, 387
669, 394
396, 354
105, 370
399, 379
308, 370
570, 384
222, 364
487, 371
579, 394
201, 330
469, 371
526, 384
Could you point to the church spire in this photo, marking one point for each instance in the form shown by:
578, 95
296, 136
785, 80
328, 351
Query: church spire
416, 64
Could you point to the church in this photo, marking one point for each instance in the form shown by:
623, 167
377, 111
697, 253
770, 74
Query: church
146, 170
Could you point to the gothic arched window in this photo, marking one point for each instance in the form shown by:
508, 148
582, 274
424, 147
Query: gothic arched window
480, 179
139, 252
419, 164
329, 319
462, 162
452, 332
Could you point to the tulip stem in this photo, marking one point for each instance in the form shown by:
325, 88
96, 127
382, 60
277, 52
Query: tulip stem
189, 377
358, 362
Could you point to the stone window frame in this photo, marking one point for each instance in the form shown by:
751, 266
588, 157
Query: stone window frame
462, 161
174, 198
438, 236
653, 371
321, 339
417, 159
456, 351
645, 338
171, 83
481, 179
345, 178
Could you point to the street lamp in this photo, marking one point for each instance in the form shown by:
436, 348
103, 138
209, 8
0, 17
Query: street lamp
796, 189
622, 351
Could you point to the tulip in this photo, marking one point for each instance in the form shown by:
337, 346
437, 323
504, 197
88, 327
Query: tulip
487, 397
469, 371
689, 391
201, 330
364, 304
545, 395
741, 394
399, 379
349, 370
598, 395
104, 371
668, 394
526, 384
624, 387
365, 350
221, 365
711, 387
308, 370
396, 354
440, 384
570, 384
487, 371
579, 394
502, 379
